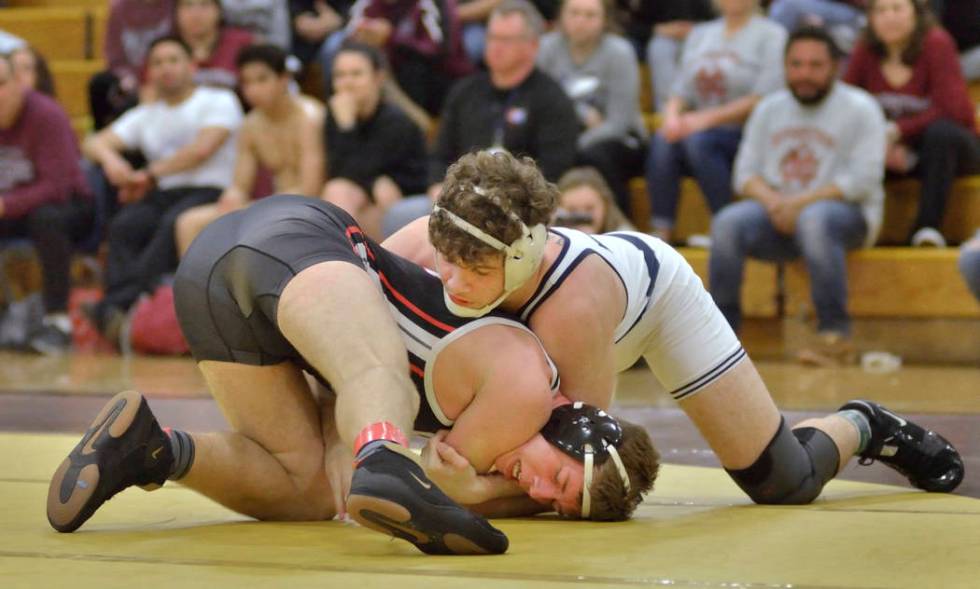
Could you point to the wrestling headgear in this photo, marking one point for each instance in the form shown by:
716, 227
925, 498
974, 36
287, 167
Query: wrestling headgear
589, 434
521, 258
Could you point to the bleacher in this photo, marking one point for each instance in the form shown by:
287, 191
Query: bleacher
886, 282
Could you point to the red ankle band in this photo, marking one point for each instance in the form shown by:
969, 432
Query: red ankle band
383, 430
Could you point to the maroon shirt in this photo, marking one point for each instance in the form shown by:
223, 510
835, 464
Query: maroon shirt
935, 90
39, 158
218, 70
429, 28
132, 26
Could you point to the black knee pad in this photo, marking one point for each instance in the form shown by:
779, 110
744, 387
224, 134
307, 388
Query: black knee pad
793, 468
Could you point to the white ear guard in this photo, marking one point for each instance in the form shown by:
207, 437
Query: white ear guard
521, 258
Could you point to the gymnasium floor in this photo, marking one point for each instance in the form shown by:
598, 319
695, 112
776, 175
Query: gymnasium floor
695, 530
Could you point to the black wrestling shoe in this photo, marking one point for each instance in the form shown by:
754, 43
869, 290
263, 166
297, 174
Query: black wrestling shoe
123, 447
928, 460
390, 493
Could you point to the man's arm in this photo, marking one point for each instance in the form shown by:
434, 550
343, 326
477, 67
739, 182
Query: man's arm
104, 149
512, 395
582, 348
53, 155
312, 163
246, 168
207, 142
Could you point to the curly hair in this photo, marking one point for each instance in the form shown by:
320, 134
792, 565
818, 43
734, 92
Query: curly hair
610, 500
484, 188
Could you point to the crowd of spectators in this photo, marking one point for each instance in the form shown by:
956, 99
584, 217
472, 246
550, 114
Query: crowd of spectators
198, 113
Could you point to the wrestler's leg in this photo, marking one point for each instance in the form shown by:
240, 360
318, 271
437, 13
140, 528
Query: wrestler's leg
271, 465
338, 320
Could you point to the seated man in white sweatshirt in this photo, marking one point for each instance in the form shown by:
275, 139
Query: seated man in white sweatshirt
810, 171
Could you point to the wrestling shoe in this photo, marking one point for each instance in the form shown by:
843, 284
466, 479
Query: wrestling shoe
123, 447
390, 493
928, 460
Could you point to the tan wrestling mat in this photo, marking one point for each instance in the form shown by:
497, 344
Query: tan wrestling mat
695, 530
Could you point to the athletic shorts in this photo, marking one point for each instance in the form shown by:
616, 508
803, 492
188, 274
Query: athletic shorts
227, 286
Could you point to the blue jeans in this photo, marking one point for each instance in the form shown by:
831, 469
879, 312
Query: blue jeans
404, 212
825, 230
708, 156
970, 269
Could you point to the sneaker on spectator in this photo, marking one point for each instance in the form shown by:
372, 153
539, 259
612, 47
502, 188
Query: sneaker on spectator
700, 241
829, 350
928, 237
50, 339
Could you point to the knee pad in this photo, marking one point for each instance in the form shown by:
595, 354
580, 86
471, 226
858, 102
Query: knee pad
793, 468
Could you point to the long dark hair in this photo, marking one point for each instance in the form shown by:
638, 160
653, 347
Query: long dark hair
924, 21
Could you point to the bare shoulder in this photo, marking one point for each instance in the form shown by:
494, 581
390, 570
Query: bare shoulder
313, 110
592, 289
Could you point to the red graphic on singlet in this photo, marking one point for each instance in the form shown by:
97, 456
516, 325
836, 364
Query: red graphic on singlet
710, 84
798, 167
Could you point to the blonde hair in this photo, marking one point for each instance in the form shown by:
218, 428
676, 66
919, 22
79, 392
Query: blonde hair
613, 218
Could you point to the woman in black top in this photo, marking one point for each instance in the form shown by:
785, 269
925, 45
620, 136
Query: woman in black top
375, 153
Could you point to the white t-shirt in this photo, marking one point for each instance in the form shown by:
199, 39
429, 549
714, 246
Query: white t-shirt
159, 130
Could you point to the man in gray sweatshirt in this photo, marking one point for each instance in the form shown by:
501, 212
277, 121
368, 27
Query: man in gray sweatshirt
810, 167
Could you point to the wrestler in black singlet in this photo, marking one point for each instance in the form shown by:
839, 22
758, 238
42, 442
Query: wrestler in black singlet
228, 285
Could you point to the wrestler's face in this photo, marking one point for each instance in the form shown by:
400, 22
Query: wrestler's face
261, 85
475, 285
547, 475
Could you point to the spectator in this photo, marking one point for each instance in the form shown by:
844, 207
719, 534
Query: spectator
512, 106
727, 66
600, 73
267, 20
186, 138
318, 31
281, 135
904, 61
377, 154
473, 15
9, 42
844, 19
43, 195
423, 43
657, 31
962, 19
970, 264
31, 71
214, 45
811, 169
586, 203
132, 26
672, 22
